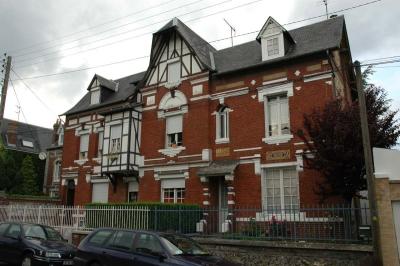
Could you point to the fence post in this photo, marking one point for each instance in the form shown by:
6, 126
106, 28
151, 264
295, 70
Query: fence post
179, 219
39, 213
112, 216
155, 218
9, 212
24, 214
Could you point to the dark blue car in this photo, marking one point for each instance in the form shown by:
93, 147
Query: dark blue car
33, 244
112, 247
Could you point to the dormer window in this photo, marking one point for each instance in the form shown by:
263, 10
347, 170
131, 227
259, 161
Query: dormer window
95, 96
273, 46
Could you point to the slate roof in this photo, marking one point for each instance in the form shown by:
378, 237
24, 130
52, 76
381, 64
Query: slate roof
219, 167
40, 137
309, 39
125, 89
201, 47
106, 83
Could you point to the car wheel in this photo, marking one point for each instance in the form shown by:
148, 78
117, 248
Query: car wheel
27, 260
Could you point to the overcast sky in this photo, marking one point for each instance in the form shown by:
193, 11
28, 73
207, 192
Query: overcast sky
46, 37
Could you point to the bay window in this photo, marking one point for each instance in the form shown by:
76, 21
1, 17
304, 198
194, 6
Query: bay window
174, 131
115, 144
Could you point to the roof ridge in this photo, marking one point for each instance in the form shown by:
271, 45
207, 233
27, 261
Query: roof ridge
318, 22
19, 122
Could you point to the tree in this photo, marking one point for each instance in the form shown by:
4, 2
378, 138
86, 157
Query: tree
7, 169
333, 133
28, 173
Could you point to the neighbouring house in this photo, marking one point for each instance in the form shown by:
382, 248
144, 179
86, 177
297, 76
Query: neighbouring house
25, 139
52, 176
207, 126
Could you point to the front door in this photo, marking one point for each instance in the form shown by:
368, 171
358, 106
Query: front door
70, 192
222, 205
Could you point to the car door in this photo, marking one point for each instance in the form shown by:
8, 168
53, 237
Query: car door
148, 250
3, 249
118, 250
95, 249
12, 243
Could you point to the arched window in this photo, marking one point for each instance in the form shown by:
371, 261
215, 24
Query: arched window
222, 124
57, 171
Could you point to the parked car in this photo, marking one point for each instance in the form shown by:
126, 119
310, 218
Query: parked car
33, 244
112, 247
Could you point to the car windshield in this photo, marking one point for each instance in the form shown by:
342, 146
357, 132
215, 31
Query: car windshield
34, 231
181, 245
52, 234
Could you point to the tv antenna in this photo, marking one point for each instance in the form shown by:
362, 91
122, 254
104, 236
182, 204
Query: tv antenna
18, 111
326, 8
233, 30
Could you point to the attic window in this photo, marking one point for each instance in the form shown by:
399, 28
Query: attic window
94, 96
27, 143
273, 46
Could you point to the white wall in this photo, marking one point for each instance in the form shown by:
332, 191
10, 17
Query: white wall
387, 163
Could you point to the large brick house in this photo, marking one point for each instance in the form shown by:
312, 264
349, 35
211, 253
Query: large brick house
207, 126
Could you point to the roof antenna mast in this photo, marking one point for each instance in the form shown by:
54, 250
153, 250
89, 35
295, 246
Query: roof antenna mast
326, 8
233, 30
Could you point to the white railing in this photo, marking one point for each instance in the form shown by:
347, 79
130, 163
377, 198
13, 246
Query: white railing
76, 217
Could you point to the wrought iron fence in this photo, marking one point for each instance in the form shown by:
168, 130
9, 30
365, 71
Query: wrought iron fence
338, 223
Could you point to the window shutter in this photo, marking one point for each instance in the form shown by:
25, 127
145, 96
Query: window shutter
115, 132
174, 72
174, 124
84, 145
100, 192
173, 183
95, 96
133, 186
101, 137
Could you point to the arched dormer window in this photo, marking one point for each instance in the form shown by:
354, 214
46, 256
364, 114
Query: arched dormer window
57, 171
222, 124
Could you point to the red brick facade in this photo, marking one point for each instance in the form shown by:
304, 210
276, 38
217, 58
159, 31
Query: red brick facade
313, 81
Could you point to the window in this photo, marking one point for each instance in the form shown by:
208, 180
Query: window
60, 136
100, 144
122, 240
84, 147
14, 231
57, 171
173, 190
272, 47
277, 116
174, 131
27, 143
34, 231
148, 244
95, 96
281, 190
100, 237
3, 228
133, 191
174, 72
222, 125
115, 144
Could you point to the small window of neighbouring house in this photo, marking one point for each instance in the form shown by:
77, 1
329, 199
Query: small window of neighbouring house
273, 46
27, 143
277, 116
84, 146
60, 136
174, 131
57, 171
174, 72
95, 96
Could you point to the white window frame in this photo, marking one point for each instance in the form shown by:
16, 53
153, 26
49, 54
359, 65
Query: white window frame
222, 112
56, 171
271, 90
100, 136
168, 143
272, 46
175, 194
264, 46
95, 95
115, 144
83, 153
282, 187
280, 100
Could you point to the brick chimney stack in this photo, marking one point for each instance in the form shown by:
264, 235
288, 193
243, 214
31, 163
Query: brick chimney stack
12, 132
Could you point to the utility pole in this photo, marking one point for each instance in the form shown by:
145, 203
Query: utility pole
5, 87
233, 30
326, 8
368, 163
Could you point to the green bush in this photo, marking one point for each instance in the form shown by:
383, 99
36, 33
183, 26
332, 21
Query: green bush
144, 215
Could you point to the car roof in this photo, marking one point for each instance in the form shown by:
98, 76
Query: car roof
137, 231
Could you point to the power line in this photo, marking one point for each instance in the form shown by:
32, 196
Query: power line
96, 26
217, 40
104, 31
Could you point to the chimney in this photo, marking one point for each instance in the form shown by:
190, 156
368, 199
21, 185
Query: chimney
56, 126
12, 133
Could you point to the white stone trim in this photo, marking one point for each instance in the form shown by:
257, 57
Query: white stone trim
247, 149
81, 161
272, 165
196, 81
200, 98
278, 139
274, 81
171, 152
148, 93
100, 180
275, 89
222, 141
250, 157
230, 93
150, 108
317, 76
154, 159
163, 114
189, 156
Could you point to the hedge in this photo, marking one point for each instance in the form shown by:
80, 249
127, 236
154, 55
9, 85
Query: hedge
155, 216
